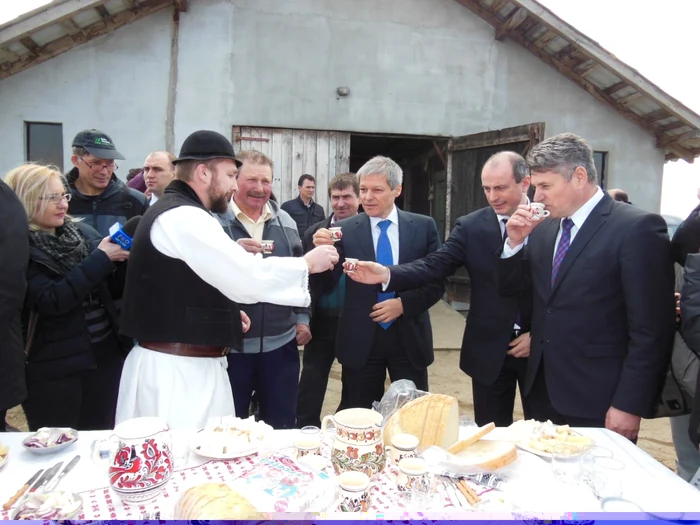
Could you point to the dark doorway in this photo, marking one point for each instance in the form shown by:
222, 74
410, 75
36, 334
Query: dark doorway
422, 160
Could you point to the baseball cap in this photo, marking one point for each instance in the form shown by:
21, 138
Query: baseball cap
97, 144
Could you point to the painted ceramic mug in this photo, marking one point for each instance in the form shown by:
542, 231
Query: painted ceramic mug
336, 233
355, 488
413, 474
358, 444
402, 446
267, 246
350, 264
538, 211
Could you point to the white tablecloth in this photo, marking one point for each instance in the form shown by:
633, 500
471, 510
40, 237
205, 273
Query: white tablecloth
646, 482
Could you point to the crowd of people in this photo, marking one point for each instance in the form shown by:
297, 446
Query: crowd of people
204, 314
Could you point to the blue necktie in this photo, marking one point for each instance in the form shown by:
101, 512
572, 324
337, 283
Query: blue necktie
384, 257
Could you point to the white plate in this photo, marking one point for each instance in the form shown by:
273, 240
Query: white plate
541, 453
43, 451
76, 512
238, 453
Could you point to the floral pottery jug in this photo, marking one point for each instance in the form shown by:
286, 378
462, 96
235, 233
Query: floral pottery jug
358, 445
142, 463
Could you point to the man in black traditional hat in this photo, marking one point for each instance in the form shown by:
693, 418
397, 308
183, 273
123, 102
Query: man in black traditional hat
184, 281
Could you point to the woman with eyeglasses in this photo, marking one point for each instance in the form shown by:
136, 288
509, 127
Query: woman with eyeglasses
74, 353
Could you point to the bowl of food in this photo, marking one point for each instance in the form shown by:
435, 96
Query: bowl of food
50, 440
49, 506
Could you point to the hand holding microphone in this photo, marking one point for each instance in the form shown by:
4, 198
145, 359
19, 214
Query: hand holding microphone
118, 243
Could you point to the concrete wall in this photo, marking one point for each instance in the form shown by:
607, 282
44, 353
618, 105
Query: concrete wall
426, 67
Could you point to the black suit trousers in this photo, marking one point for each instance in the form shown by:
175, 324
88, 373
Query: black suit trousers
319, 355
362, 387
495, 402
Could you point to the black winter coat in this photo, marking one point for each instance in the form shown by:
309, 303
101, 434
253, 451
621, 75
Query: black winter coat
690, 315
14, 255
61, 344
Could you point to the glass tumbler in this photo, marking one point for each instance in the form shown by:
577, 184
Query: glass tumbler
588, 458
607, 478
566, 463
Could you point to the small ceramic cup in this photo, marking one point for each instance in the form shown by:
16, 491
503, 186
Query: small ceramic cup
538, 211
336, 233
350, 264
355, 488
402, 446
413, 472
267, 247
308, 441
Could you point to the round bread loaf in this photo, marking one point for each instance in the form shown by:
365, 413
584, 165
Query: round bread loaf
215, 501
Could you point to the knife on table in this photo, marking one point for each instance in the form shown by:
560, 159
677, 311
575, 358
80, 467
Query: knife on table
22, 490
57, 479
48, 476
39, 483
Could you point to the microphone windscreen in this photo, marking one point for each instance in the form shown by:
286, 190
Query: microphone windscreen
130, 226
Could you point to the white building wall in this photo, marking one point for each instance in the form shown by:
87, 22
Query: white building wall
427, 67
117, 84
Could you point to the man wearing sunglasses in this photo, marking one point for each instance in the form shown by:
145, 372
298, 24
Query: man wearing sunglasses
99, 197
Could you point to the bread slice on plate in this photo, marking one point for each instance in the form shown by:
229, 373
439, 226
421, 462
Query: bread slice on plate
433, 418
488, 454
461, 445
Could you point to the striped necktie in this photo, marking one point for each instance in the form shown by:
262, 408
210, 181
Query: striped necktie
563, 247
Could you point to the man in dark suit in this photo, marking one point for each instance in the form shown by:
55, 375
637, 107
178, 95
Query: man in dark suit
380, 331
319, 353
496, 341
602, 279
14, 258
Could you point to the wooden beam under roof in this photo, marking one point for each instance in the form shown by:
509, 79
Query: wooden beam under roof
619, 86
86, 34
672, 125
568, 72
32, 46
682, 152
667, 140
498, 5
181, 5
514, 20
659, 114
40, 19
102, 11
70, 27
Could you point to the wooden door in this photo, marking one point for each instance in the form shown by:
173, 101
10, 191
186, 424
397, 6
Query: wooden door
466, 157
294, 152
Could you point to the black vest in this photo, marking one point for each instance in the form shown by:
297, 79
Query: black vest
164, 300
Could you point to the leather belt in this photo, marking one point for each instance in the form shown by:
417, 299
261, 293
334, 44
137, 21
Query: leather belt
186, 350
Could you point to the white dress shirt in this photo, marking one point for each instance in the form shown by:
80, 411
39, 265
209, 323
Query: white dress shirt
187, 391
154, 199
392, 232
578, 218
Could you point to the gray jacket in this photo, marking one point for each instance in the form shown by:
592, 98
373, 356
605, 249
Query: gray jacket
271, 325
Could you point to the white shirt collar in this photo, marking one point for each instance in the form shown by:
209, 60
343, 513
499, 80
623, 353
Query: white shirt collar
393, 217
580, 216
502, 218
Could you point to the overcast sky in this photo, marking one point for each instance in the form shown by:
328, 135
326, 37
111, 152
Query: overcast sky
656, 38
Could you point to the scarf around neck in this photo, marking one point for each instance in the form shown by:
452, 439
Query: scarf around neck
67, 248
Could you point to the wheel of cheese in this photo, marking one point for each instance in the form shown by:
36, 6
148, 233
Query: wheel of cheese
432, 418
215, 501
488, 454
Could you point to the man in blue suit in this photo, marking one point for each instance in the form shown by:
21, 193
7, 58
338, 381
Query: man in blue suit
496, 341
382, 331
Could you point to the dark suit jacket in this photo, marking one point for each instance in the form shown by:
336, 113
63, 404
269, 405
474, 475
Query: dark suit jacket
418, 237
476, 243
606, 328
14, 258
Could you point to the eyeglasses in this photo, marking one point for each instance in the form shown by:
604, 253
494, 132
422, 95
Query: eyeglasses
55, 198
99, 166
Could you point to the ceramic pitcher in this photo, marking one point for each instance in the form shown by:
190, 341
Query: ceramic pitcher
142, 463
358, 444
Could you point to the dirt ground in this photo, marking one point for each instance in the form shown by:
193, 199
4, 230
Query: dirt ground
446, 378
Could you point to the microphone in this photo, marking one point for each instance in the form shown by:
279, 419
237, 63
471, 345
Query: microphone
124, 236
